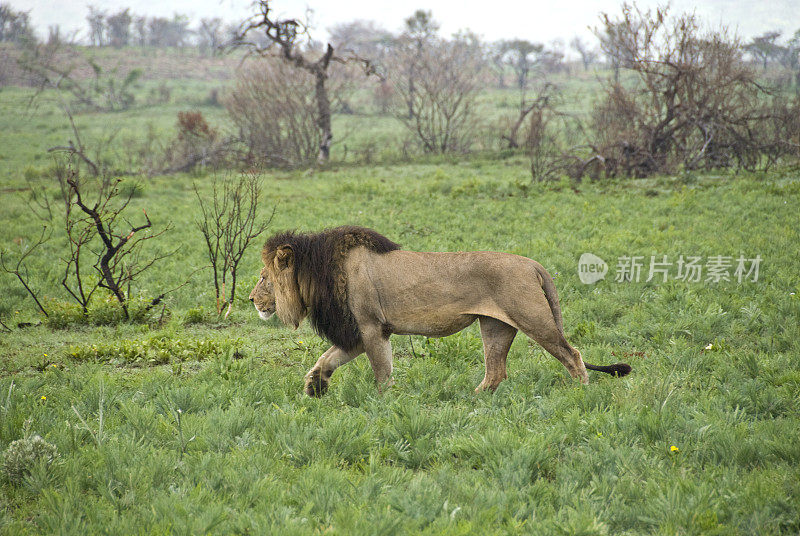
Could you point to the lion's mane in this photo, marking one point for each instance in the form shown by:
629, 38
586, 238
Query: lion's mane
318, 268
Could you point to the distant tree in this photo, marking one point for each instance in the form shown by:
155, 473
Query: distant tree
211, 35
140, 31
97, 26
163, 32
421, 27
793, 58
521, 57
119, 28
15, 26
764, 47
54, 37
496, 55
420, 33
366, 39
551, 59
588, 55
610, 37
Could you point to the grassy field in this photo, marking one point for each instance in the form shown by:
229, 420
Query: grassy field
191, 425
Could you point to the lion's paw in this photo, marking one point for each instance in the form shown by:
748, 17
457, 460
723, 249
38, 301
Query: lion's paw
316, 383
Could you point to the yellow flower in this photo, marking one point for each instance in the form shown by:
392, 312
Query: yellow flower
43, 398
710, 346
673, 448
45, 355
299, 342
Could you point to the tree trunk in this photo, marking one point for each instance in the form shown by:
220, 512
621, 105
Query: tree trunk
323, 106
324, 119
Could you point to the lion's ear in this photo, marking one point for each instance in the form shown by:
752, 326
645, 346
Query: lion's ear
284, 257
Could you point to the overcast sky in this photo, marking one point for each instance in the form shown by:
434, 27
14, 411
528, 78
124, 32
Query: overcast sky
535, 20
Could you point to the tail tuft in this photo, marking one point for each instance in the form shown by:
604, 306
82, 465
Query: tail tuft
617, 369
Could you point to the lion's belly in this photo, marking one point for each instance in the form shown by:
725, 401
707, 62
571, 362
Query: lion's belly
429, 325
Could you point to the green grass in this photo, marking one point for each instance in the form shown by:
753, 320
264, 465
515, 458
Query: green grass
248, 452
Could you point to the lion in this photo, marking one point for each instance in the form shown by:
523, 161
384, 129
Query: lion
357, 287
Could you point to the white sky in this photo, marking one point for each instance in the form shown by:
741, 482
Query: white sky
535, 20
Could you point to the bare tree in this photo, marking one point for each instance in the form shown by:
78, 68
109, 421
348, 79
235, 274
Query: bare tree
419, 35
229, 225
119, 28
118, 260
97, 26
140, 35
588, 55
449, 76
286, 35
211, 35
497, 54
15, 26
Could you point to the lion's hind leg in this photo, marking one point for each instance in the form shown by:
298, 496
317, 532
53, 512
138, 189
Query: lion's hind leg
497, 338
541, 326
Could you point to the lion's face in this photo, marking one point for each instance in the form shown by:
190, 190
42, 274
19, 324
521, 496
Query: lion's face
277, 290
263, 296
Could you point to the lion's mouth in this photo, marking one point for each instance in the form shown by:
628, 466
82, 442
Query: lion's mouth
265, 315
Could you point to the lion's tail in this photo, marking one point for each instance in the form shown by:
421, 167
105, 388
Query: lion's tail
550, 292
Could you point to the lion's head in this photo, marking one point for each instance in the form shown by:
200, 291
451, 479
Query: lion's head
263, 296
302, 276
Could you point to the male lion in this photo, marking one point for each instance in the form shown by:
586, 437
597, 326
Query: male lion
358, 288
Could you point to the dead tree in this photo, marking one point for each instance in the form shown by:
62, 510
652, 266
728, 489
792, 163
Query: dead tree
229, 225
285, 35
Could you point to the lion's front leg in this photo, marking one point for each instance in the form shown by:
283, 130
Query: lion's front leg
318, 378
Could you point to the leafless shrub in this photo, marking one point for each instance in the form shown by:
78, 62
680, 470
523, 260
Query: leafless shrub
273, 107
442, 101
229, 224
695, 103
19, 269
114, 249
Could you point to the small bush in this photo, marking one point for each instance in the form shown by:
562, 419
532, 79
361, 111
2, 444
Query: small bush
23, 454
197, 144
156, 350
272, 104
194, 316
102, 312
64, 314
